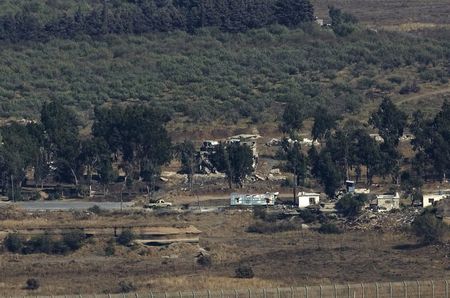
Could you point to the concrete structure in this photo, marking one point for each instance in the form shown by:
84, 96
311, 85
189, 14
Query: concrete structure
362, 191
377, 137
431, 199
388, 202
250, 141
305, 199
267, 199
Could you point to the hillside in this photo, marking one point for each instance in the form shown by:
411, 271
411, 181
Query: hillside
387, 12
216, 75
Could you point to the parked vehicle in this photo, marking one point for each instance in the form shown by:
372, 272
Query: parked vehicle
158, 204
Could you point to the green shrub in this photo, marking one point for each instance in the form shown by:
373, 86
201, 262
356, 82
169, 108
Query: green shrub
74, 239
95, 209
125, 237
204, 260
350, 205
40, 244
307, 215
110, 248
395, 79
14, 242
126, 287
428, 228
244, 271
329, 228
32, 284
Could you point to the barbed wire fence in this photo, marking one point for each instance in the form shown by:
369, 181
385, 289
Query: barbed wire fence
406, 289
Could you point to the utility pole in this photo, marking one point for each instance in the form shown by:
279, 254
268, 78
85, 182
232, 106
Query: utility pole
12, 188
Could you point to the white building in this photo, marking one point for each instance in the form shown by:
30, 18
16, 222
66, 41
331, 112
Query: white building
388, 202
431, 199
267, 199
305, 199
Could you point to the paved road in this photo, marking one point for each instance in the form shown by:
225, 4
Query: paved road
66, 205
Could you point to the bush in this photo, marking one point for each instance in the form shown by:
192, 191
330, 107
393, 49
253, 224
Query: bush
110, 249
244, 271
307, 216
428, 228
350, 205
32, 284
40, 244
14, 242
260, 212
126, 287
74, 239
125, 237
204, 260
412, 88
329, 229
95, 209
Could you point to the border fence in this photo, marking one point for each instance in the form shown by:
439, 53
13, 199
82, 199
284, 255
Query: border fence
419, 289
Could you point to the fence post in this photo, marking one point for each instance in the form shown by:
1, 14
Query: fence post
405, 286
209, 294
363, 290
235, 293
193, 294
335, 291
418, 289
348, 288
432, 289
292, 292
249, 293
264, 293
446, 289
181, 295
306, 291
221, 293
390, 289
320, 291
376, 290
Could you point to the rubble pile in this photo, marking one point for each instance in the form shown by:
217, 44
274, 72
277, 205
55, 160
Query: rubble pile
382, 221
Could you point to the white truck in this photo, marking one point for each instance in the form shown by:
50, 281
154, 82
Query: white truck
158, 204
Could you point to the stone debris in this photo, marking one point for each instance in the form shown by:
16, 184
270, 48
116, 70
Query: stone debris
383, 221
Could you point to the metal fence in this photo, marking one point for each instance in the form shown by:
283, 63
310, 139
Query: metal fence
419, 289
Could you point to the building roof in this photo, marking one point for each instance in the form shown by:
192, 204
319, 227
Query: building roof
302, 193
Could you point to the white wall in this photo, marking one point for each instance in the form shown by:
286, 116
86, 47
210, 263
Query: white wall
429, 199
305, 200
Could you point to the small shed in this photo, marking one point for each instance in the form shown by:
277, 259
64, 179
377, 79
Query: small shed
388, 202
305, 199
267, 199
431, 199
350, 186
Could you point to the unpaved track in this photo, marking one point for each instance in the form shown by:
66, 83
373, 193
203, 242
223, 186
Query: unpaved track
424, 95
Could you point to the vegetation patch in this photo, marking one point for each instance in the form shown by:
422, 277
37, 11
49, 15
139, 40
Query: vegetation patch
271, 227
45, 243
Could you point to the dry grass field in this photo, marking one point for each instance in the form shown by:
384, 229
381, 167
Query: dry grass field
291, 258
389, 12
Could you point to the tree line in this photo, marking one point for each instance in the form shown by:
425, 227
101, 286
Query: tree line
130, 140
142, 16
351, 151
